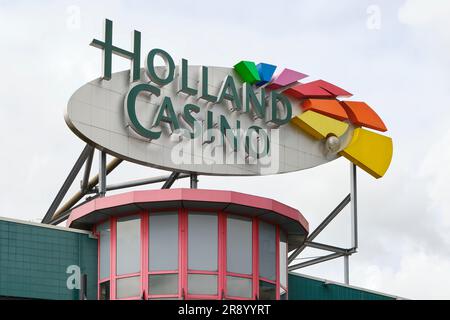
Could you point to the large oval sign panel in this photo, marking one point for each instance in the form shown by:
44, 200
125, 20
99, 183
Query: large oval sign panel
252, 119
169, 129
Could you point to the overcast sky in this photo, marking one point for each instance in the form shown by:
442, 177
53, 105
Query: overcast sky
391, 54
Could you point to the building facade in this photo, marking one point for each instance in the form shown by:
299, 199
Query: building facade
163, 244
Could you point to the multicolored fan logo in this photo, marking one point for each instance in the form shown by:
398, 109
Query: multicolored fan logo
324, 116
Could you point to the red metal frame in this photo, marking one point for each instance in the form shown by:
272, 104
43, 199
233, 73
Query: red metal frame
222, 260
128, 275
190, 271
225, 266
112, 256
144, 254
94, 231
287, 272
184, 252
255, 256
277, 261
183, 270
147, 271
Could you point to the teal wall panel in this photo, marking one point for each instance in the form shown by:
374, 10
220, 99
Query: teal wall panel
305, 288
34, 261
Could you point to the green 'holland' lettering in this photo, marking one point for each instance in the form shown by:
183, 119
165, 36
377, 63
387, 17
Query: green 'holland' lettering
183, 80
204, 94
228, 92
274, 116
108, 50
151, 71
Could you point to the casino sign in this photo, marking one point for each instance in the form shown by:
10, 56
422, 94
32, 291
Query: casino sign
251, 119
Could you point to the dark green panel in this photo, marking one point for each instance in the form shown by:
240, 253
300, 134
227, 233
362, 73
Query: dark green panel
34, 261
303, 288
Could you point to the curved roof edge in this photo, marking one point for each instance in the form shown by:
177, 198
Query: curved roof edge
227, 201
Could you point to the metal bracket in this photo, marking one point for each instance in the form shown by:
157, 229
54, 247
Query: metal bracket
139, 182
321, 227
327, 247
97, 185
66, 207
315, 261
65, 215
194, 181
102, 174
170, 181
337, 252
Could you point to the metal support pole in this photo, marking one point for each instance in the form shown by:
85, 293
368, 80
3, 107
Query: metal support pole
194, 181
354, 207
346, 270
87, 171
354, 221
102, 174
83, 287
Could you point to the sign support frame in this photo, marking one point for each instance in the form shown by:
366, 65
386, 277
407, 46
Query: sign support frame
337, 252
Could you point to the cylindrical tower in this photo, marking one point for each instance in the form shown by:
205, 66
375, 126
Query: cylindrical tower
191, 244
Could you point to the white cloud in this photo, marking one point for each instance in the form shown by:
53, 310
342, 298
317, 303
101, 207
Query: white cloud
420, 276
430, 23
430, 14
436, 170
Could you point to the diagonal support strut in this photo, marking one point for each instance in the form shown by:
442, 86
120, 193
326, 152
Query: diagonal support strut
321, 226
114, 163
67, 183
170, 181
